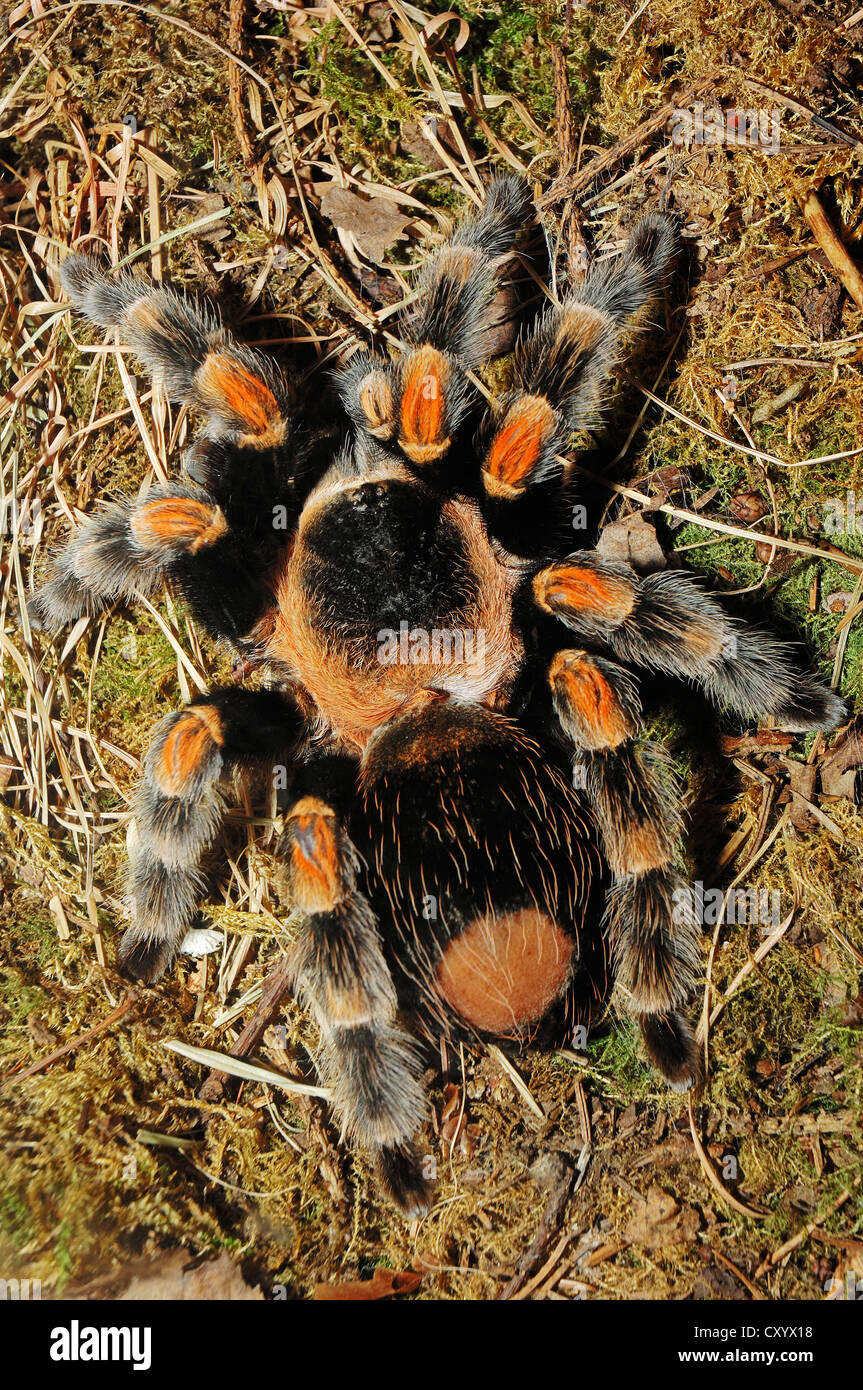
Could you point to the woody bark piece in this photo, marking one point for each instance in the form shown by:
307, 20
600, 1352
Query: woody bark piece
824, 234
802, 778
573, 184
236, 85
840, 767
577, 255
556, 1176
275, 985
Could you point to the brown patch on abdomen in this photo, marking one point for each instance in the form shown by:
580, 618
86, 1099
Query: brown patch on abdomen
505, 972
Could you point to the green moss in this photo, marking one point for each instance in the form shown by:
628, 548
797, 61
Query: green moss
72, 1193
15, 1222
36, 949
136, 673
369, 111
511, 47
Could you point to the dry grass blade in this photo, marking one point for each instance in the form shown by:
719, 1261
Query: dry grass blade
246, 1071
713, 1178
517, 1080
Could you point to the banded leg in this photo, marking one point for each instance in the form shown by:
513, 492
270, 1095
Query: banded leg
178, 809
651, 928
127, 550
562, 367
421, 399
186, 350
366, 1057
666, 623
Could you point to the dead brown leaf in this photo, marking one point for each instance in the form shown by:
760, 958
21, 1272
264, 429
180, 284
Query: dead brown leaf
748, 507
657, 1220
372, 222
633, 539
801, 777
171, 1276
841, 764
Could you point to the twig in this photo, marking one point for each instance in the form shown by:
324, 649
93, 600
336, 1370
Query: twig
738, 1274
550, 1220
771, 1261
236, 24
806, 112
114, 1017
819, 225
572, 184
274, 987
834, 555
577, 257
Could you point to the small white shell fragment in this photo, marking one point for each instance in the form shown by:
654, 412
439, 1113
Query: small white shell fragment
202, 941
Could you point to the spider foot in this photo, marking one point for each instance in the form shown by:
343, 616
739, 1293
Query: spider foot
401, 1174
144, 958
670, 1045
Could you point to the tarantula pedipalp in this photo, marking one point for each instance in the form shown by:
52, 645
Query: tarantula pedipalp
437, 663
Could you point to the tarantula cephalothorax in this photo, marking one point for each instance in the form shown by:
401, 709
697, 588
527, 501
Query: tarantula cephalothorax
437, 664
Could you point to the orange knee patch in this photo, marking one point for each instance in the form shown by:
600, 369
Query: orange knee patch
517, 445
505, 972
581, 589
177, 521
230, 388
585, 694
316, 874
187, 745
423, 434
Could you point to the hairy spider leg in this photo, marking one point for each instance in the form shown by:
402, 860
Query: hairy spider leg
366, 1057
420, 400
562, 366
127, 550
248, 454
652, 932
666, 622
178, 809
187, 351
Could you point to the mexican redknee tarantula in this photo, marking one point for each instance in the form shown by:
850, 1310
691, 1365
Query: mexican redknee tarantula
437, 663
